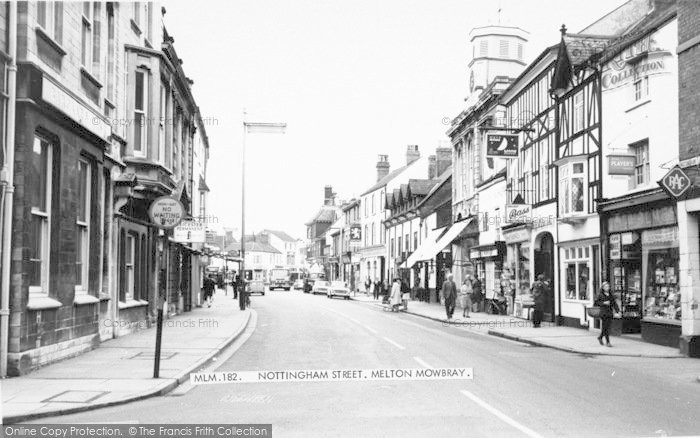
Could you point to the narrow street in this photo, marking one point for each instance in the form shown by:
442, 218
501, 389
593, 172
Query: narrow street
517, 390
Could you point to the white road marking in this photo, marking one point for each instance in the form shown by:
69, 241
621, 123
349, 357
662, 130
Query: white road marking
506, 419
422, 362
353, 320
400, 347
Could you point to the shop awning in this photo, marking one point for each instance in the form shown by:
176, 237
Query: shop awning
436, 242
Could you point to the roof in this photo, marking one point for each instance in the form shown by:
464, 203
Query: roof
421, 187
254, 247
281, 234
350, 204
384, 181
438, 194
325, 214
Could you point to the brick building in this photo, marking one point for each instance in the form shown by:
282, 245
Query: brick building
98, 85
689, 156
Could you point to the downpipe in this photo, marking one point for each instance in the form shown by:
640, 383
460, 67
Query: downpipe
9, 188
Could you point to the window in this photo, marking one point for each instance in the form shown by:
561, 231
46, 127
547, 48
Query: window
129, 259
111, 50
392, 248
366, 237
641, 88
544, 182
86, 37
82, 253
641, 168
137, 13
373, 209
149, 19
504, 48
520, 51
398, 247
365, 202
577, 281
408, 243
161, 120
50, 17
96, 39
484, 48
140, 103
202, 206
374, 226
40, 227
571, 188
415, 240
579, 113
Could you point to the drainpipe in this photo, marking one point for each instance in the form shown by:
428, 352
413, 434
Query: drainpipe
8, 182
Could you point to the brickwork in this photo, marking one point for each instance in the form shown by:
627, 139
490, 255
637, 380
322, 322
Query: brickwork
689, 79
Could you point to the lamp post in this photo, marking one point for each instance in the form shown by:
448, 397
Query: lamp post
251, 127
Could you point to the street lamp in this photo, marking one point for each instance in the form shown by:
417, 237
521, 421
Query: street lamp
252, 128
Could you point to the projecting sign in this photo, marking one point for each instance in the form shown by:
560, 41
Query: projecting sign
166, 212
502, 145
675, 182
190, 232
518, 213
356, 233
621, 164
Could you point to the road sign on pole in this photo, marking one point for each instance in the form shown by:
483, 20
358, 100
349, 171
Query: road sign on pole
676, 182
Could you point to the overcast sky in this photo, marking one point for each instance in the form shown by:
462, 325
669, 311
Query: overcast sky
352, 79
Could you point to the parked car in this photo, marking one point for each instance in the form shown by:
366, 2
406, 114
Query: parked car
339, 289
321, 287
299, 284
255, 287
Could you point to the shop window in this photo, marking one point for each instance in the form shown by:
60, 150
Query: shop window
39, 235
572, 195
662, 297
576, 265
82, 253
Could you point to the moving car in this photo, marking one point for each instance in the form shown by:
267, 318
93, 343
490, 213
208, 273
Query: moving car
321, 287
339, 289
255, 287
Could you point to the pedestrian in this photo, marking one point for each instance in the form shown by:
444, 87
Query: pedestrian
539, 295
477, 293
465, 297
405, 294
208, 289
449, 294
376, 289
395, 301
236, 283
606, 302
368, 284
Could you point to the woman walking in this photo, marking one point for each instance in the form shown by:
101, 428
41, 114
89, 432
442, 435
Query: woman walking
606, 302
395, 295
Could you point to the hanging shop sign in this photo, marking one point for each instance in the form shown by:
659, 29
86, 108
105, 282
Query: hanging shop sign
676, 182
621, 164
190, 231
166, 212
356, 233
502, 145
518, 213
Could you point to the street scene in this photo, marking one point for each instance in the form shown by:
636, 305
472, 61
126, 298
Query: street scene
350, 219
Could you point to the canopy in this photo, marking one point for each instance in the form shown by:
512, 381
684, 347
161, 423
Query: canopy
436, 242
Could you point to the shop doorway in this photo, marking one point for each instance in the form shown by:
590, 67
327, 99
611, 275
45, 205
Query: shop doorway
544, 264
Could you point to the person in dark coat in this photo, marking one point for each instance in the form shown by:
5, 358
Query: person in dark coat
539, 295
606, 302
449, 293
236, 283
208, 289
376, 290
477, 294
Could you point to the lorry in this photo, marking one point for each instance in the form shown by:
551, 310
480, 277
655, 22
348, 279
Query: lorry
280, 279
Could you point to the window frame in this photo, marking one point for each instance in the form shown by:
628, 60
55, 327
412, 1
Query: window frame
644, 166
143, 112
86, 38
83, 229
53, 19
42, 290
129, 267
566, 177
578, 260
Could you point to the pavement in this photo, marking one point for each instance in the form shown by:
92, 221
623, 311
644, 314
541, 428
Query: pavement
121, 370
517, 389
548, 335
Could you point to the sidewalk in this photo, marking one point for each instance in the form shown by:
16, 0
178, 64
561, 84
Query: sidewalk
121, 369
567, 339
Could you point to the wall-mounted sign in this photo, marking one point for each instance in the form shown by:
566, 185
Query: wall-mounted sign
502, 145
660, 238
615, 246
643, 58
190, 232
166, 212
355, 233
675, 182
518, 213
621, 164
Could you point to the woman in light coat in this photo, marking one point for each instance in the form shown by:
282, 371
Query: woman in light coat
395, 295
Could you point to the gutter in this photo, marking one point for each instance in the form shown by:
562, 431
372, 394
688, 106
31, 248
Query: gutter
8, 189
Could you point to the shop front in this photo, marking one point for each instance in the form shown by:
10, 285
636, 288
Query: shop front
643, 256
518, 265
488, 264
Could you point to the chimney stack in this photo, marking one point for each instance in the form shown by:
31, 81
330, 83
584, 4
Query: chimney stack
328, 195
382, 167
432, 166
412, 153
444, 159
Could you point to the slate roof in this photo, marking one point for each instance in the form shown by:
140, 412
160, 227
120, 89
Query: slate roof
421, 187
254, 247
281, 234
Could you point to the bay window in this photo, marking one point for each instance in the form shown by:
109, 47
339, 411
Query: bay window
572, 193
39, 235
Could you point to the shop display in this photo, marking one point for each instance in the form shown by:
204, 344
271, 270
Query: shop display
662, 290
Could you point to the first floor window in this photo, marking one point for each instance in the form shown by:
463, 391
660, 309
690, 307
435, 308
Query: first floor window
50, 17
41, 171
571, 186
641, 88
140, 105
641, 168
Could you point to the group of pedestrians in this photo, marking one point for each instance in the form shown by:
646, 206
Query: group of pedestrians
209, 286
470, 295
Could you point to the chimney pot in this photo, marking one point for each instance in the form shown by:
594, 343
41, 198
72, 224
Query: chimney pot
412, 153
382, 166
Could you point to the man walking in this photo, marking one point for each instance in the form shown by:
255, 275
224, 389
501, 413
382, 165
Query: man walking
539, 295
208, 289
449, 293
477, 294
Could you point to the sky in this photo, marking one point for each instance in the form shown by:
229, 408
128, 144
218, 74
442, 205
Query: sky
352, 80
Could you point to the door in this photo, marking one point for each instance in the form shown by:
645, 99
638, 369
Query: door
544, 264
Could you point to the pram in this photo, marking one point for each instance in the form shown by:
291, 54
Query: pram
497, 305
386, 304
